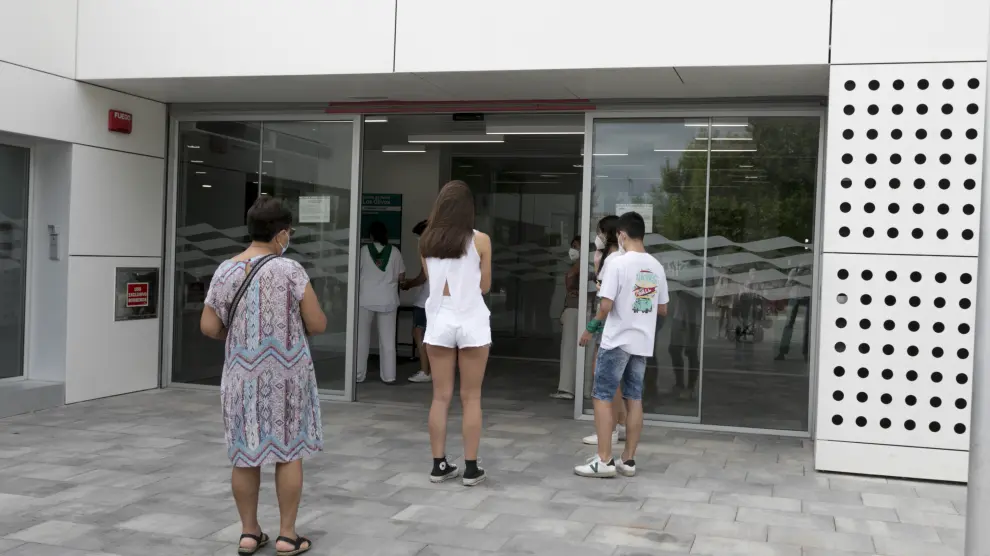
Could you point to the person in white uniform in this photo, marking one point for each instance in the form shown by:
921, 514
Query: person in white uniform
458, 263
381, 271
419, 313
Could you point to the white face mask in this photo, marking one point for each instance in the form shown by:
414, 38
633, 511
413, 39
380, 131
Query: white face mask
574, 254
599, 242
286, 248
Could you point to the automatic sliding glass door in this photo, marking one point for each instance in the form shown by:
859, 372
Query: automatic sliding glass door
730, 210
222, 168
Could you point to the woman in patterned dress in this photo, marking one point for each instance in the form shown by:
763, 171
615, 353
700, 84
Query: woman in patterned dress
271, 410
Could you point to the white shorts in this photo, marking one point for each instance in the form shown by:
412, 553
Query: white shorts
452, 330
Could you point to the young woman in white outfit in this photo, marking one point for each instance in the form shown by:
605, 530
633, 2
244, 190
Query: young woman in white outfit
381, 271
458, 263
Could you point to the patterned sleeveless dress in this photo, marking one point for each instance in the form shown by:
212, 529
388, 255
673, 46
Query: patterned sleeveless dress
271, 409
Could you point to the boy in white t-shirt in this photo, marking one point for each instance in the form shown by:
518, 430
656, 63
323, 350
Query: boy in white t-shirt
633, 293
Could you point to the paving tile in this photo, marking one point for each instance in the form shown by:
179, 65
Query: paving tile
511, 525
684, 525
552, 546
717, 546
906, 503
614, 501
439, 515
851, 511
645, 538
30, 549
889, 546
171, 524
668, 492
61, 533
6, 544
602, 516
934, 519
786, 519
690, 509
873, 487
817, 495
875, 528
501, 505
756, 501
720, 485
457, 537
850, 542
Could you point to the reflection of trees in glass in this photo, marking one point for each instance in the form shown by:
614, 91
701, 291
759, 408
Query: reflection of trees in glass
779, 203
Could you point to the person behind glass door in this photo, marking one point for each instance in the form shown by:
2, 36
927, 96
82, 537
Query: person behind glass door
271, 406
458, 263
794, 302
568, 321
607, 243
419, 313
381, 271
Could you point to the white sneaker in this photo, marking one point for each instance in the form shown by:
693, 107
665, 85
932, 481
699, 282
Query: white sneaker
595, 467
626, 468
561, 395
592, 439
620, 430
421, 377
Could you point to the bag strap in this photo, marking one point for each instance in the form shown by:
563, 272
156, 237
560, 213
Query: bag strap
244, 286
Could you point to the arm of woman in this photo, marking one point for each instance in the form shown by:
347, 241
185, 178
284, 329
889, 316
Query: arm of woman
484, 245
210, 324
311, 312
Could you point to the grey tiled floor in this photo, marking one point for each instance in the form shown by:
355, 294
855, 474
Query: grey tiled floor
146, 475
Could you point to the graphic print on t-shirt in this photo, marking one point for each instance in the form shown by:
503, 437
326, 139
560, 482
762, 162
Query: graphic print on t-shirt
645, 291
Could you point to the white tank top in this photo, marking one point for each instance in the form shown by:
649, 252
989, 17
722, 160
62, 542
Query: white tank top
462, 277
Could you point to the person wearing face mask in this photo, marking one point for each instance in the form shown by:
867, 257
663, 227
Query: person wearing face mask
419, 313
568, 321
607, 243
382, 270
263, 307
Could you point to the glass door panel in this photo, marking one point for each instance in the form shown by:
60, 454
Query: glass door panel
15, 172
658, 167
761, 221
216, 183
308, 165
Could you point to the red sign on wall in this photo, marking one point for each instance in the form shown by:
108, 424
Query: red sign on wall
120, 122
138, 294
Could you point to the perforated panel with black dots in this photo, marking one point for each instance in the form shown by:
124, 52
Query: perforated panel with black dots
896, 350
905, 149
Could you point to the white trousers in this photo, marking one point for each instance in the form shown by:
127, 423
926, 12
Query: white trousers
568, 349
386, 343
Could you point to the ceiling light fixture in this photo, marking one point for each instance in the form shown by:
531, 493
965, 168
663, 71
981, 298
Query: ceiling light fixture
733, 150
731, 139
195, 161
679, 150
200, 173
404, 148
532, 129
376, 119
206, 185
456, 138
267, 161
192, 146
579, 165
609, 154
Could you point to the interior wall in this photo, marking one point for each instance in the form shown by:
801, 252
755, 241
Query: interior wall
48, 295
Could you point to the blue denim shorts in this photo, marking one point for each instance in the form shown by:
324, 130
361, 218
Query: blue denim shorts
615, 366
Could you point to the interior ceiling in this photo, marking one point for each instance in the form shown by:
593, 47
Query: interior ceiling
628, 83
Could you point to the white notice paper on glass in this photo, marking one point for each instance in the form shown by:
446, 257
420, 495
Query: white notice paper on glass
644, 210
314, 209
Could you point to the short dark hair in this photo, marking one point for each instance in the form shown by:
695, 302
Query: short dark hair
633, 225
378, 232
267, 217
418, 228
451, 224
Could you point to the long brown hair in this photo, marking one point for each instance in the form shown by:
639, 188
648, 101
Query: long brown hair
451, 223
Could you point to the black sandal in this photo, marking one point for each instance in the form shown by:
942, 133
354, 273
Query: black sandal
297, 543
259, 541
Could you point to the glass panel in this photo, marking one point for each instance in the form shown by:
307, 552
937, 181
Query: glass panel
15, 171
529, 206
308, 165
658, 167
217, 183
761, 265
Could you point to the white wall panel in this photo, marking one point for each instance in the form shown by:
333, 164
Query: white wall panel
116, 204
104, 357
890, 31
190, 38
49, 279
905, 144
452, 35
51, 107
39, 34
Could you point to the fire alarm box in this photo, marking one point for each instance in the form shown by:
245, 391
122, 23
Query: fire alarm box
121, 122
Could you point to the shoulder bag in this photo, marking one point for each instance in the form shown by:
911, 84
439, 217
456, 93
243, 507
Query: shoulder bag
244, 286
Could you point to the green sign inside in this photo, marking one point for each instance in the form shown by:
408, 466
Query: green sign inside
385, 208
